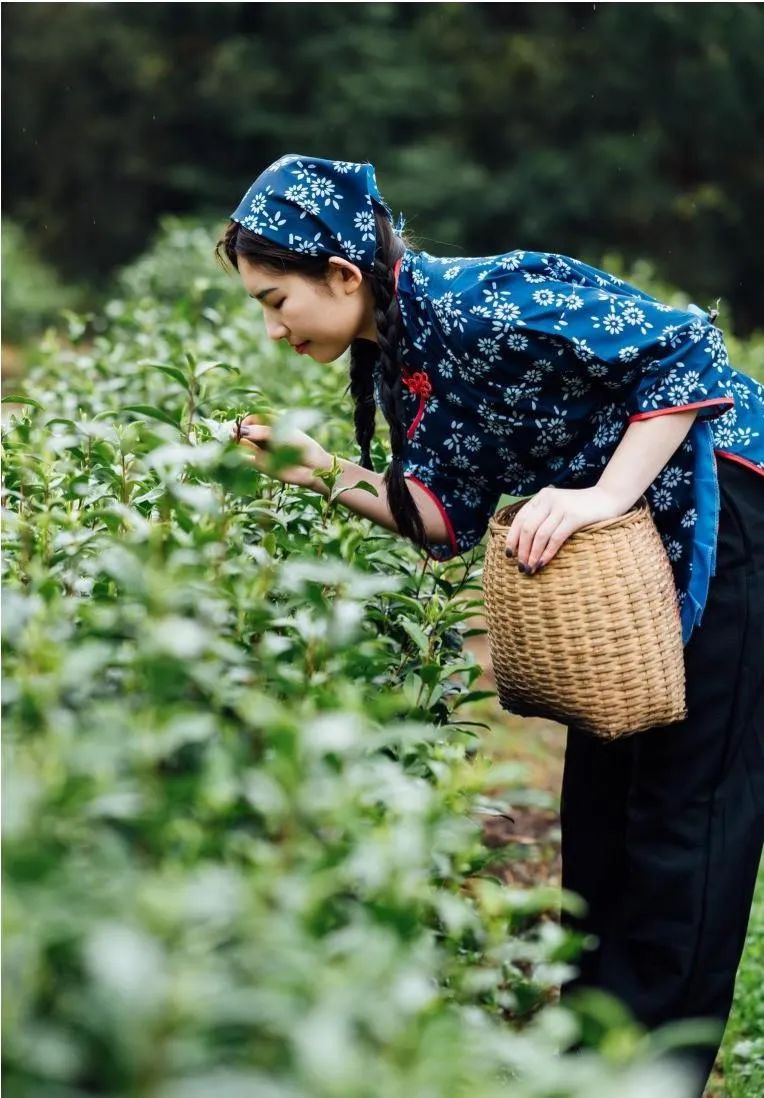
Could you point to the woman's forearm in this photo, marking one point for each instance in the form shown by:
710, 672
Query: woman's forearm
377, 508
643, 451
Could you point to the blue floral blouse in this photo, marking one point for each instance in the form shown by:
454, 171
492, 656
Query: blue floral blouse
525, 369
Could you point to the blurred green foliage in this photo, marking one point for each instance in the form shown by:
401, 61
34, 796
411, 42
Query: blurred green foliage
242, 849
33, 294
570, 128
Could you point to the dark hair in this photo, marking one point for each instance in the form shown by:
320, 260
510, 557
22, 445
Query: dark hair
364, 355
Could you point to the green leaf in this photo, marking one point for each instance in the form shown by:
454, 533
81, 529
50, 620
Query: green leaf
474, 696
415, 605
416, 633
19, 398
61, 419
153, 412
362, 484
205, 367
171, 371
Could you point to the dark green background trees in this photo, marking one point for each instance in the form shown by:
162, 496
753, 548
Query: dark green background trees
588, 129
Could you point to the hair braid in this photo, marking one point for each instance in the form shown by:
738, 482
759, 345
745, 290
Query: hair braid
363, 358
387, 318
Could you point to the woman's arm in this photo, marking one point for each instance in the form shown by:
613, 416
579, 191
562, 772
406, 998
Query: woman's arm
547, 520
256, 437
641, 454
377, 507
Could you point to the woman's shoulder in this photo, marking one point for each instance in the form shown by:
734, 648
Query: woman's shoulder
461, 271
518, 270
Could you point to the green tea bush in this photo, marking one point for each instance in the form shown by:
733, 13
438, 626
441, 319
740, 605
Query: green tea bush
32, 293
243, 849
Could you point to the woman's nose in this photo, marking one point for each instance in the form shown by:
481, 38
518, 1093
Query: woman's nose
275, 330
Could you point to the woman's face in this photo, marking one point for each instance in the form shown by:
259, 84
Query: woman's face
300, 311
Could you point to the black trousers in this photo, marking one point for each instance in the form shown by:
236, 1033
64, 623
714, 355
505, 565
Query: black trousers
662, 831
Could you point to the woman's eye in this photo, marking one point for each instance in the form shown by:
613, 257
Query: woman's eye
280, 303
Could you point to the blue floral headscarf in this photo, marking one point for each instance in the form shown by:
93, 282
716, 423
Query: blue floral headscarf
315, 206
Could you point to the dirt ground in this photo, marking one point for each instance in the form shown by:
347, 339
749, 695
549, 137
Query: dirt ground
539, 745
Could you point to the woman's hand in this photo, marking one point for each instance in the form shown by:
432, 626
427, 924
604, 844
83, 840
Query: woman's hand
548, 519
256, 436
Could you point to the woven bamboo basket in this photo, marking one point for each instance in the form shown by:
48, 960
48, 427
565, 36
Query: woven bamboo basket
595, 638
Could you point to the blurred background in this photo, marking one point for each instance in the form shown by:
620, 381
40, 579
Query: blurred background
618, 133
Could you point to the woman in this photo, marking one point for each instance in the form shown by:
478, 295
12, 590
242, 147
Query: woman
535, 374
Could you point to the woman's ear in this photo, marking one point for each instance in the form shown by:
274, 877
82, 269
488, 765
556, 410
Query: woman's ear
349, 273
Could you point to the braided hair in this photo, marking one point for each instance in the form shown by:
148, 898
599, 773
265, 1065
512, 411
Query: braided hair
366, 358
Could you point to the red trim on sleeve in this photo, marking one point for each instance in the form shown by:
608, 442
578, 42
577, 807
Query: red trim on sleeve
680, 408
441, 508
740, 461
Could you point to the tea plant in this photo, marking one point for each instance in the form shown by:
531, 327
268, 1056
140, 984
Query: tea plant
242, 843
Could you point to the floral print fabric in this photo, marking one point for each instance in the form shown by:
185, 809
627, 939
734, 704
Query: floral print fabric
316, 206
532, 365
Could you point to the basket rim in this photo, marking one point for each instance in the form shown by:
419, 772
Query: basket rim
496, 523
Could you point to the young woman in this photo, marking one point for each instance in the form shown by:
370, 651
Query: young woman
532, 373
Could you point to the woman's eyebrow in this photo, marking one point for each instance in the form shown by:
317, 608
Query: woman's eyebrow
263, 293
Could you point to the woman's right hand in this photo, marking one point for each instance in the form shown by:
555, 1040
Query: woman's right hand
256, 436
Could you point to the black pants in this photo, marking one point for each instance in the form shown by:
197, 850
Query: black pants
662, 831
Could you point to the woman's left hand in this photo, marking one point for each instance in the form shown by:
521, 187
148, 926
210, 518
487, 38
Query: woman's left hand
548, 519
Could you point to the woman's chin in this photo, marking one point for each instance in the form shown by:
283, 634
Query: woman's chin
325, 354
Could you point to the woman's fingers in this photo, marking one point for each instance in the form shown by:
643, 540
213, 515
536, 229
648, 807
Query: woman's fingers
558, 537
544, 544
260, 435
257, 451
524, 526
545, 522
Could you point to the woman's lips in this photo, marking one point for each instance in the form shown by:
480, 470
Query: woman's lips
300, 348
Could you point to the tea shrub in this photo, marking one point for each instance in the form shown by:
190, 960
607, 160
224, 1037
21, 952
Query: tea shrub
243, 853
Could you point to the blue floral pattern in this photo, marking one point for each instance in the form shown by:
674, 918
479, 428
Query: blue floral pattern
315, 206
536, 364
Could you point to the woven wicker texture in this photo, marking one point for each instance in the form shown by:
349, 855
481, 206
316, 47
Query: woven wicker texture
595, 638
